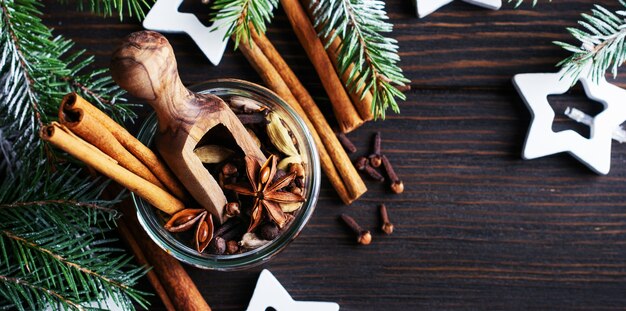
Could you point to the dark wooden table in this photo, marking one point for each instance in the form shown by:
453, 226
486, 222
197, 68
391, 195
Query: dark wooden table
477, 227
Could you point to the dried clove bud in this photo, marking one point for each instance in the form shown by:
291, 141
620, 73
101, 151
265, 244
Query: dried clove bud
269, 231
360, 163
346, 143
397, 186
373, 173
227, 226
217, 246
387, 225
364, 237
232, 209
232, 247
375, 158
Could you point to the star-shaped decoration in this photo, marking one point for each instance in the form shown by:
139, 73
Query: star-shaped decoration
425, 7
165, 17
595, 152
269, 293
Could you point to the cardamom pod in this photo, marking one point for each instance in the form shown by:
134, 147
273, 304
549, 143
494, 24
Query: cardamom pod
279, 136
290, 207
211, 154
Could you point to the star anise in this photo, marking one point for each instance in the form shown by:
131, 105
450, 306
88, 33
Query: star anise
185, 219
267, 193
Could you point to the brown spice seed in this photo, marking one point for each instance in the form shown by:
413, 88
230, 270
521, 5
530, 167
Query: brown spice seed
360, 163
387, 225
232, 247
346, 143
364, 237
217, 246
269, 231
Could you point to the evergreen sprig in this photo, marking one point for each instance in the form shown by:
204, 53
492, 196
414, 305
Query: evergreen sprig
602, 45
239, 15
36, 70
54, 231
54, 244
360, 25
106, 8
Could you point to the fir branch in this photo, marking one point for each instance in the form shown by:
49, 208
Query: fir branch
54, 237
36, 71
43, 296
239, 15
136, 8
360, 24
602, 41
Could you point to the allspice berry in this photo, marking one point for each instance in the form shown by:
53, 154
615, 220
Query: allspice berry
232, 247
269, 231
232, 209
217, 246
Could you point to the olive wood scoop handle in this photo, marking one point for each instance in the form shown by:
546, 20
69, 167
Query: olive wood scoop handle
145, 66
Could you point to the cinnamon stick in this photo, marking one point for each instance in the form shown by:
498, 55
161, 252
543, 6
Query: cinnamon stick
140, 257
180, 288
272, 78
346, 114
306, 107
89, 129
71, 102
62, 138
364, 104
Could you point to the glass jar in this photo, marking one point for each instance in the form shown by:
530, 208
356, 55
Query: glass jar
153, 224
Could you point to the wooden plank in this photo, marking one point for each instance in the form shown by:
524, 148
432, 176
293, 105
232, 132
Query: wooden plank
477, 227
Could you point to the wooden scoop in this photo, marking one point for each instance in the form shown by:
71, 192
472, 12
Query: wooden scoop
145, 66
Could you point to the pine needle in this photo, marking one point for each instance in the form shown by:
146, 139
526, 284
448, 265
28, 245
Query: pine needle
360, 25
238, 15
601, 46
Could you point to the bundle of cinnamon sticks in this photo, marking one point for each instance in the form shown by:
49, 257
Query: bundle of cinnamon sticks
275, 72
89, 135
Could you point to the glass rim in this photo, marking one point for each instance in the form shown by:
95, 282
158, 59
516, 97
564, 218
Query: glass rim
257, 256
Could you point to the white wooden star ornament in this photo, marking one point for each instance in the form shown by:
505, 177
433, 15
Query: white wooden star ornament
425, 7
595, 152
269, 293
165, 17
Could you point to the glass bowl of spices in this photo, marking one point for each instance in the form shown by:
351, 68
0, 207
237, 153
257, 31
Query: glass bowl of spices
269, 203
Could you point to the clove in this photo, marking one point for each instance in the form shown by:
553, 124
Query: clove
362, 164
375, 158
387, 225
364, 237
397, 186
346, 143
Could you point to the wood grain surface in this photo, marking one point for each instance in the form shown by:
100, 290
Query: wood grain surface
477, 228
